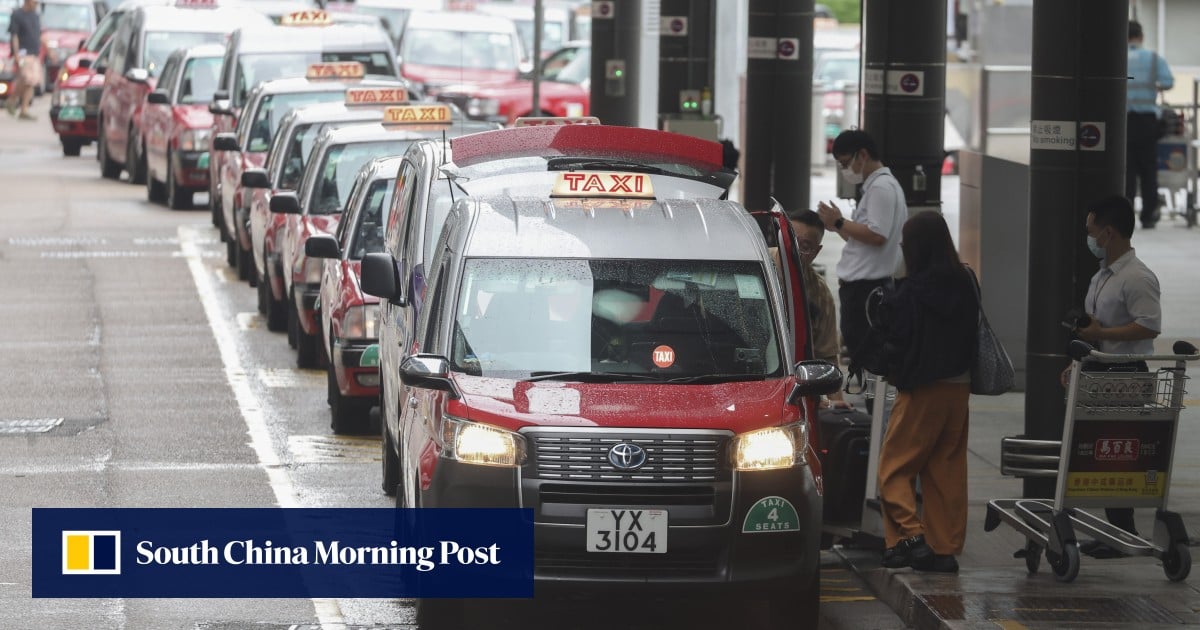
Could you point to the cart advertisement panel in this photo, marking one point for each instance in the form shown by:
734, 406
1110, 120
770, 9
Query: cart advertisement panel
1120, 458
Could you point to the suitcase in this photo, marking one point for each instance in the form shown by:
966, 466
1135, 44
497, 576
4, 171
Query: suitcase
845, 447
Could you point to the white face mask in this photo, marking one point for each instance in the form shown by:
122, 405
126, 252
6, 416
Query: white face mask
851, 177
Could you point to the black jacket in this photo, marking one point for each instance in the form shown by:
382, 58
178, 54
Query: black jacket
932, 322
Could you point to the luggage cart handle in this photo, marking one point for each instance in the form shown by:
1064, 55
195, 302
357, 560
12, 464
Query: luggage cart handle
1080, 350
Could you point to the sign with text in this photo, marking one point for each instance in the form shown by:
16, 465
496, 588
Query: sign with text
894, 82
1120, 458
1065, 135
277, 552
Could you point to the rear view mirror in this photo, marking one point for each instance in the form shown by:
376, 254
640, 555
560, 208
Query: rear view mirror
138, 75
255, 178
379, 277
815, 378
85, 63
158, 97
428, 371
322, 246
221, 105
225, 142
285, 203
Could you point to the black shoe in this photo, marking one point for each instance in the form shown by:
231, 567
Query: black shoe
1099, 550
905, 552
1147, 225
936, 563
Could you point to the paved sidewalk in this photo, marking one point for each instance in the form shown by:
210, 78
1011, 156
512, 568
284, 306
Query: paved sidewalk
993, 589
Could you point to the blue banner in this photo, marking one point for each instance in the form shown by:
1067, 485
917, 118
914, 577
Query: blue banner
276, 552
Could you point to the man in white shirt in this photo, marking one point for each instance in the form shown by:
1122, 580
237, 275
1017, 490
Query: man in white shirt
872, 233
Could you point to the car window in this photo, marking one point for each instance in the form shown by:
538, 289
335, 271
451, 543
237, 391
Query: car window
273, 107
166, 82
160, 44
337, 172
368, 238
476, 51
403, 193
199, 80
104, 30
516, 317
253, 69
552, 34
68, 17
569, 65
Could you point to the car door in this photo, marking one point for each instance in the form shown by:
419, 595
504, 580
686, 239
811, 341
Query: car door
393, 329
158, 121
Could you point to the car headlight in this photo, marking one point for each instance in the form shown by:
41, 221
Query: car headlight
194, 140
359, 322
767, 449
313, 269
474, 443
483, 107
67, 98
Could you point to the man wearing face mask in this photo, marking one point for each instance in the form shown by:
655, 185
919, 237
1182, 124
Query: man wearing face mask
1124, 307
872, 233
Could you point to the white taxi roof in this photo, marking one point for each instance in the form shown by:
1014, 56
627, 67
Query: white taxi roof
335, 37
297, 85
221, 19
684, 229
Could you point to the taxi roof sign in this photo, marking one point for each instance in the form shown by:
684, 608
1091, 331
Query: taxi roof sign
335, 70
546, 121
603, 184
432, 114
313, 17
376, 96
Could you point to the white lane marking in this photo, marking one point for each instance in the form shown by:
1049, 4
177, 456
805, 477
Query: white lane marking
289, 377
329, 614
248, 321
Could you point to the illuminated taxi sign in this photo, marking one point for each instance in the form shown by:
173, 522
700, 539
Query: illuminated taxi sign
196, 4
306, 18
550, 121
417, 115
376, 96
603, 184
336, 70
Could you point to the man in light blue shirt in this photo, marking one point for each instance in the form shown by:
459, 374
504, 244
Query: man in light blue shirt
1148, 74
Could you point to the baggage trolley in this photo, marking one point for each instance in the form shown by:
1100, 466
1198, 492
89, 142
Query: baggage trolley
1117, 448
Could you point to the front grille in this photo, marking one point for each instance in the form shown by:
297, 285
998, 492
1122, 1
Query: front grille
677, 457
606, 495
668, 565
91, 95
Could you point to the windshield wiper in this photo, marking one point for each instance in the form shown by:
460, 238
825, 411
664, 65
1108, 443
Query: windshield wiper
591, 377
570, 163
717, 378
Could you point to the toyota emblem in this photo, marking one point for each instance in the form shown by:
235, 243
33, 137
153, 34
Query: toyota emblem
627, 456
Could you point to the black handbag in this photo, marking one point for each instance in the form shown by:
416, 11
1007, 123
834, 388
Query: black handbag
992, 370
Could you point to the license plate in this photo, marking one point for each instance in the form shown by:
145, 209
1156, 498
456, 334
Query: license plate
70, 113
203, 161
627, 531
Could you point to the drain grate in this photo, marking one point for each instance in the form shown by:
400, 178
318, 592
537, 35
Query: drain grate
1035, 608
29, 425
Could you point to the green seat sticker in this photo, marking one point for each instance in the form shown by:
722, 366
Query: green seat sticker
203, 161
771, 514
370, 356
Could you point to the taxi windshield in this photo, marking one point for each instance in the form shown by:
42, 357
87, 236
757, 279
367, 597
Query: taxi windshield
368, 238
571, 318
159, 45
200, 76
339, 169
4, 20
472, 50
253, 69
273, 107
67, 17
552, 34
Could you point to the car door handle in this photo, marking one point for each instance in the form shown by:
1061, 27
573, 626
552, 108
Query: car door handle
412, 402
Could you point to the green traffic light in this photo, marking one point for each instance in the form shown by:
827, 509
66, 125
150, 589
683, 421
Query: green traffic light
619, 73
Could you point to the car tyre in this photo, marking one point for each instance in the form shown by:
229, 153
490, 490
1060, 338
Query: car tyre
135, 165
274, 310
109, 168
245, 266
390, 458
178, 197
308, 351
214, 206
347, 414
71, 147
155, 191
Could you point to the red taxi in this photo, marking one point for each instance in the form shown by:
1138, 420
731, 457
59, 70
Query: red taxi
255, 55
348, 315
438, 49
144, 39
177, 124
8, 70
564, 90
65, 25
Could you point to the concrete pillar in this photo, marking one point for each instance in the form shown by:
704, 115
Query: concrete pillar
1077, 155
904, 88
778, 104
616, 61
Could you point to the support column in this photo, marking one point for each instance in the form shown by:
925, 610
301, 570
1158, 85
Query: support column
904, 88
778, 104
616, 61
1077, 156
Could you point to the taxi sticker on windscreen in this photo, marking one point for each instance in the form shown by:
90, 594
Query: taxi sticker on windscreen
603, 184
663, 356
376, 96
771, 514
552, 121
335, 70
306, 18
417, 115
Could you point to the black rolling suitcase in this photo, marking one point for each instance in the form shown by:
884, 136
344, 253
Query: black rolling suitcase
845, 447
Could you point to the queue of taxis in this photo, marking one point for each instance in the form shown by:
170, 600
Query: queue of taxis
247, 147
317, 205
286, 158
176, 124
8, 70
145, 37
348, 316
255, 55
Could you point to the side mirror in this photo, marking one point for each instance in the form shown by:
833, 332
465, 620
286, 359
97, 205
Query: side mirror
79, 48
85, 63
322, 246
225, 142
221, 105
100, 67
158, 97
380, 277
255, 178
815, 378
138, 75
428, 371
285, 203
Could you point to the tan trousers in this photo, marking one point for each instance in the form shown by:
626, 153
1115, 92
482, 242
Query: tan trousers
926, 437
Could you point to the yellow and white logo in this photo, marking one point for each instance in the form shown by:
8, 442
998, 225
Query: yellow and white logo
91, 553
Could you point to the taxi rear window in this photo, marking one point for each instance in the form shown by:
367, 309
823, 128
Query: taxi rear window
160, 45
272, 109
200, 78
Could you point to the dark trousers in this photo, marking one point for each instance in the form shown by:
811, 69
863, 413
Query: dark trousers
1141, 163
1121, 517
853, 297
